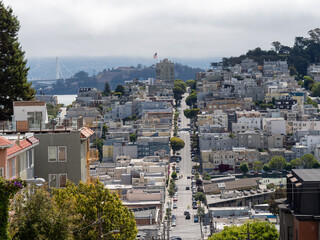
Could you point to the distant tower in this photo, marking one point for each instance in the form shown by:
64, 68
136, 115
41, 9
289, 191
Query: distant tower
165, 71
57, 69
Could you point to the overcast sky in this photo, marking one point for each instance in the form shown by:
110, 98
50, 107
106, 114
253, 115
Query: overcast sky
172, 28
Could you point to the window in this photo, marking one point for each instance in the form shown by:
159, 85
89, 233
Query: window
2, 172
52, 154
52, 180
62, 154
57, 153
62, 180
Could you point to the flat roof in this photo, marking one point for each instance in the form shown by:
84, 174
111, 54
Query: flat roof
308, 175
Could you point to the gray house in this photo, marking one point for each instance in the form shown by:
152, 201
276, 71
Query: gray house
63, 155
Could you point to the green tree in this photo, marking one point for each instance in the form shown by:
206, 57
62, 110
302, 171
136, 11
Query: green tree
313, 103
133, 137
296, 163
308, 161
200, 196
37, 216
191, 113
315, 90
206, 176
277, 46
192, 84
13, 74
257, 165
176, 144
91, 207
120, 89
177, 94
266, 168
191, 100
180, 83
277, 163
107, 89
260, 230
244, 168
174, 175
308, 82
105, 129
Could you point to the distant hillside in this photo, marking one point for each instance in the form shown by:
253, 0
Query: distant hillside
303, 52
114, 77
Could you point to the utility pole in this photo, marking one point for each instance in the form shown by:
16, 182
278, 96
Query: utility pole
248, 232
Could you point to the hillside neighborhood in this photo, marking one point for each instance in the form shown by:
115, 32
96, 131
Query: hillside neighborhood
187, 158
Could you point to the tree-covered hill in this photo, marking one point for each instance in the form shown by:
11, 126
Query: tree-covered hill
305, 50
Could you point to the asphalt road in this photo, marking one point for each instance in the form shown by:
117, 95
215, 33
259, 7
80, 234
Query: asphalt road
185, 228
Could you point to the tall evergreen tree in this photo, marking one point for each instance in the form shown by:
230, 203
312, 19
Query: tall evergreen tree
13, 70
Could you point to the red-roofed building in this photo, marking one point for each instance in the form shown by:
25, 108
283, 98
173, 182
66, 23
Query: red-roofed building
17, 157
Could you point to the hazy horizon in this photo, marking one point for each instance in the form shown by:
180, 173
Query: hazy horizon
45, 67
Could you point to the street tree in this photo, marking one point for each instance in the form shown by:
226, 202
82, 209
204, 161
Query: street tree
261, 230
13, 74
94, 211
200, 196
37, 216
192, 84
277, 163
191, 100
176, 144
244, 168
191, 113
180, 83
296, 163
177, 94
257, 165
174, 175
308, 161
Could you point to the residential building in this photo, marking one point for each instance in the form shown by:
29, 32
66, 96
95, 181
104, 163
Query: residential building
165, 71
275, 68
216, 141
313, 71
252, 139
17, 156
63, 155
153, 146
299, 213
249, 65
29, 115
274, 126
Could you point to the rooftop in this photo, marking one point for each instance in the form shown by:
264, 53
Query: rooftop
308, 175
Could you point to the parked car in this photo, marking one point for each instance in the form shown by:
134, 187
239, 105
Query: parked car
196, 219
173, 223
188, 216
186, 213
188, 177
187, 188
173, 217
175, 205
175, 199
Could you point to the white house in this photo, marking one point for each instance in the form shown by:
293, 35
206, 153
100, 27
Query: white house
29, 115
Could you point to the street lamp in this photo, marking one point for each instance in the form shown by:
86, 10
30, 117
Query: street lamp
36, 181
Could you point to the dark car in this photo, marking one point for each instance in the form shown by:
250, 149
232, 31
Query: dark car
186, 213
187, 188
188, 216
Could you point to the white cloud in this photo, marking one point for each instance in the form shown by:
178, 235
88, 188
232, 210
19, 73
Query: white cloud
175, 28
